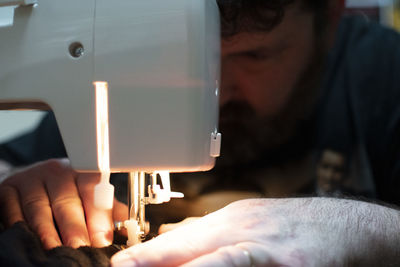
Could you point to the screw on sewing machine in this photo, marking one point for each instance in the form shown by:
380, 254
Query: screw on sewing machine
76, 50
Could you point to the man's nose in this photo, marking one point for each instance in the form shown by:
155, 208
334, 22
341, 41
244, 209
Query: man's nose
329, 174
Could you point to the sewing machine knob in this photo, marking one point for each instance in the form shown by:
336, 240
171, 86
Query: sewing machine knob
76, 50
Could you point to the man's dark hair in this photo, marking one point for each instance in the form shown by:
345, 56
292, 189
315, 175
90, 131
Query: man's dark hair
262, 15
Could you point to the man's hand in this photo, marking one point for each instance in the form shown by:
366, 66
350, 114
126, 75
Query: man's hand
57, 203
278, 232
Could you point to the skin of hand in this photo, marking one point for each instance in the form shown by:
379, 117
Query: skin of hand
57, 203
172, 226
278, 232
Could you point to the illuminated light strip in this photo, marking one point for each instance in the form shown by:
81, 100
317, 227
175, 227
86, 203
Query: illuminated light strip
103, 191
102, 129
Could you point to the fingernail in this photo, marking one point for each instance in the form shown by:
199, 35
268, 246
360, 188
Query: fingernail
122, 260
50, 243
100, 240
77, 242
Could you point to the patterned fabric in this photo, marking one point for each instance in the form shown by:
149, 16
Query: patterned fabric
20, 247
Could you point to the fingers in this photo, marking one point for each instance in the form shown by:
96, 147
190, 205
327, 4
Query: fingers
155, 252
246, 254
178, 246
171, 226
51, 191
67, 206
99, 222
225, 256
36, 208
47, 192
120, 211
9, 205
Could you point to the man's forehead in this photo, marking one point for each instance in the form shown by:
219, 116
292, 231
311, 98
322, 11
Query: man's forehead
279, 35
245, 41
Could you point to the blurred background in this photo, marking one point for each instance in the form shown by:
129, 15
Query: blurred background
386, 12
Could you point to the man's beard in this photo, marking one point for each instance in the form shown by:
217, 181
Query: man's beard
247, 138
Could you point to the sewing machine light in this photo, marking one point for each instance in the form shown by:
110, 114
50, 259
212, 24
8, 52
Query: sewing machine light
104, 191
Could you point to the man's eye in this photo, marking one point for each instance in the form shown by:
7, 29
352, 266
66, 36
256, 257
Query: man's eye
255, 55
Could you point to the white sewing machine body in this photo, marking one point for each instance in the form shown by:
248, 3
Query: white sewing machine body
160, 60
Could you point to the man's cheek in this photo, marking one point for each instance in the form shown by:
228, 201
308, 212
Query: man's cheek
268, 94
269, 101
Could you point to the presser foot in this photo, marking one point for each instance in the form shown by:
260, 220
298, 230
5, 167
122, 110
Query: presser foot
135, 234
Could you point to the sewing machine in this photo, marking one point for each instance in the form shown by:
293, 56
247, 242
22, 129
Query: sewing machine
133, 86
